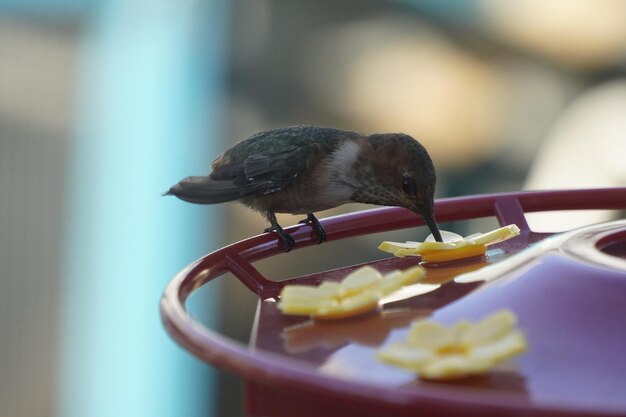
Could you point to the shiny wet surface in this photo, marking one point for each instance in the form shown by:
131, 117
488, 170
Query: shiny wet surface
570, 304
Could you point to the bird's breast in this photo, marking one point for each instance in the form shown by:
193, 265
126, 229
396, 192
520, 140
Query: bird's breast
325, 183
300, 199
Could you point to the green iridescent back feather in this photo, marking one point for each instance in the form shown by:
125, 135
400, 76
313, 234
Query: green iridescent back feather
286, 139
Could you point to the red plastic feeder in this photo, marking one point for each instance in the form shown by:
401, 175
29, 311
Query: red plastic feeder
568, 291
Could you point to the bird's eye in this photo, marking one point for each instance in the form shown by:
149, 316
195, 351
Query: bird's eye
408, 185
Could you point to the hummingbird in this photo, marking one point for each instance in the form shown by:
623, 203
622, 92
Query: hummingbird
305, 169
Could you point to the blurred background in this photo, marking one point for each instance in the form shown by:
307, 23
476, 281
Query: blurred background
105, 104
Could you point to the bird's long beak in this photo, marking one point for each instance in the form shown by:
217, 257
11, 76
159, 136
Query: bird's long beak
429, 218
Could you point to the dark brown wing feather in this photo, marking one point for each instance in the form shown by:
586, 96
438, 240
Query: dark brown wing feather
259, 173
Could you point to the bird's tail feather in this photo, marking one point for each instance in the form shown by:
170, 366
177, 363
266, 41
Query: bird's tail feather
204, 190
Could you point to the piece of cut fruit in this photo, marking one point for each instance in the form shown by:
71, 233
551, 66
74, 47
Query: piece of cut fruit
359, 292
495, 236
360, 279
462, 252
429, 251
435, 351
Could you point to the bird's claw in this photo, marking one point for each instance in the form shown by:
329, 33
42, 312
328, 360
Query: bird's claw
315, 224
285, 238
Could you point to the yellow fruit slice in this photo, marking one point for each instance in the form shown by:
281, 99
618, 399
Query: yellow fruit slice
307, 308
351, 306
463, 252
308, 292
407, 357
412, 248
489, 329
357, 293
395, 280
497, 235
435, 351
430, 335
511, 344
471, 246
360, 279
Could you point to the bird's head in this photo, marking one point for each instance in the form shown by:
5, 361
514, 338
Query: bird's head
395, 170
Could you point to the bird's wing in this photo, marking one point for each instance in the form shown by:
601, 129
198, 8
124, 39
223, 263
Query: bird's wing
263, 173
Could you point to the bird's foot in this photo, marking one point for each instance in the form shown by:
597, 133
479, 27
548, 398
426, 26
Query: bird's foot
316, 225
288, 242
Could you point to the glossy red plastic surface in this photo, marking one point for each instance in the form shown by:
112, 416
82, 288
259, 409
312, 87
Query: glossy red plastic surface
567, 290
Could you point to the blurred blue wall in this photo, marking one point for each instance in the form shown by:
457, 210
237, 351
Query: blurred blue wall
147, 115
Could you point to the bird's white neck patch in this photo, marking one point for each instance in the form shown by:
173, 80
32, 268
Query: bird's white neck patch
335, 183
346, 154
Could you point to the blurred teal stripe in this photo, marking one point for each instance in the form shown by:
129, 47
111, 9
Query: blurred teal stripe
148, 114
